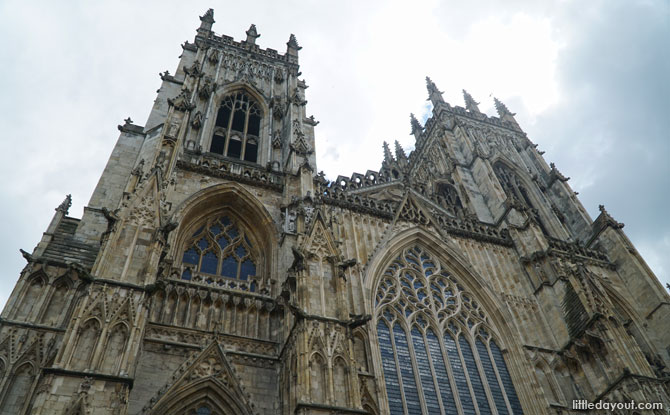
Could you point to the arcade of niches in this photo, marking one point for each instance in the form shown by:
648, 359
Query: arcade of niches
216, 271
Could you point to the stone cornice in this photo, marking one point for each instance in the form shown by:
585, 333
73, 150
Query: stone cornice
236, 172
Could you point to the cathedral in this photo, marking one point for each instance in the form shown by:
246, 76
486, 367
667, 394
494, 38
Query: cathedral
216, 271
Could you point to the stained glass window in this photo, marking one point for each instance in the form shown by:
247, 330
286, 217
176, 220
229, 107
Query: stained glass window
219, 249
436, 351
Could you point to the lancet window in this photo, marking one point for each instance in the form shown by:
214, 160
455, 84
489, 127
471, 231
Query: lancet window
237, 128
437, 352
515, 189
220, 248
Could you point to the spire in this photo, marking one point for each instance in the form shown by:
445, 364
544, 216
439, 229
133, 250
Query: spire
252, 34
505, 114
399, 152
206, 21
388, 157
470, 103
434, 94
416, 126
292, 46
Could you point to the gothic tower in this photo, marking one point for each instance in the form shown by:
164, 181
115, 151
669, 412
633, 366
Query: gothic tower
214, 271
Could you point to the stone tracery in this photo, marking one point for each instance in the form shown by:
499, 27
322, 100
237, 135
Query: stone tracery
427, 325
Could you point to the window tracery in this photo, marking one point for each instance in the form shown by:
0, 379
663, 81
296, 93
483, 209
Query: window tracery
237, 128
220, 248
514, 188
437, 353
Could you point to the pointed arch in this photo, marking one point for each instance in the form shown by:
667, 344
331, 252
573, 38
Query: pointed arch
87, 339
422, 284
17, 393
208, 393
58, 302
115, 348
243, 208
241, 120
317, 377
33, 290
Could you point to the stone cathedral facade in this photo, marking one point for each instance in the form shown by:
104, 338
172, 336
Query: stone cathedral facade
216, 271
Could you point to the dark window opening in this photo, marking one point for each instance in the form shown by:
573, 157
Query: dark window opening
251, 152
242, 116
218, 144
234, 147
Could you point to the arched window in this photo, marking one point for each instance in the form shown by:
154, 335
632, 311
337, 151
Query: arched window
448, 198
18, 389
514, 188
434, 343
220, 248
237, 129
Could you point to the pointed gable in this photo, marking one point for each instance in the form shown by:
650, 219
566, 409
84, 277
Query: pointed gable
207, 379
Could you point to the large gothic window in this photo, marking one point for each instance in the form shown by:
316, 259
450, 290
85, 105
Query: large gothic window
237, 129
438, 357
220, 248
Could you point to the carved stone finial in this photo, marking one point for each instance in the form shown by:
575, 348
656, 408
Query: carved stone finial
416, 125
607, 219
128, 121
65, 204
502, 109
388, 157
470, 104
252, 34
208, 17
399, 152
667, 286
434, 94
293, 43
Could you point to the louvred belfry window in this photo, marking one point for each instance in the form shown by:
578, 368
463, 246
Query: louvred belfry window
237, 129
435, 343
220, 248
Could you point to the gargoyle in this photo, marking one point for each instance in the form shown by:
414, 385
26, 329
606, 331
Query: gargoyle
28, 257
298, 260
342, 267
356, 320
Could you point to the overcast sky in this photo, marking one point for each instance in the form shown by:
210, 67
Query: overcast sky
589, 81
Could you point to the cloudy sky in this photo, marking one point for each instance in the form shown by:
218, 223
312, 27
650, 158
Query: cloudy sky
589, 81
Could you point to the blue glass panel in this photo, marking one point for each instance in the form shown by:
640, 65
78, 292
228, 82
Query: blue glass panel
459, 375
506, 379
407, 371
225, 221
191, 257
186, 275
491, 378
215, 230
441, 376
198, 231
223, 242
247, 269
252, 287
203, 410
240, 252
475, 378
425, 374
233, 232
229, 267
209, 263
390, 369
203, 244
